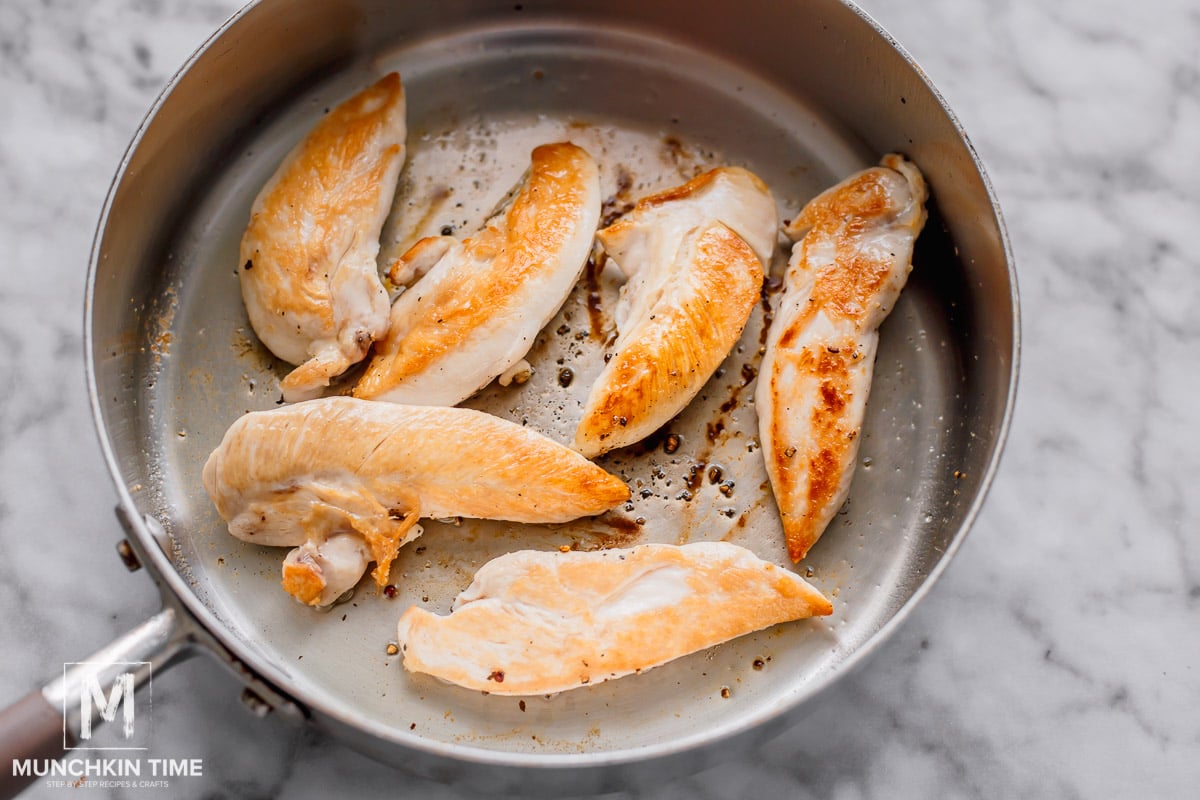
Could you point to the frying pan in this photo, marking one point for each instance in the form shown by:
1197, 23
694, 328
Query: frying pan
802, 93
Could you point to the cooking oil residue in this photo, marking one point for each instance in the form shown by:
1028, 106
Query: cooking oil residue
618, 203
617, 531
598, 324
770, 288
246, 346
159, 324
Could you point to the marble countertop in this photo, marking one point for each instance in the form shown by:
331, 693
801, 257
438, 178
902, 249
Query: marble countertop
1059, 656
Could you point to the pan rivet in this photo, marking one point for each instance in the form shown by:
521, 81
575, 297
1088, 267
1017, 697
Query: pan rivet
128, 557
258, 707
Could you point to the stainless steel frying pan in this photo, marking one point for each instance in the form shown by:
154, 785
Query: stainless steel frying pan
801, 92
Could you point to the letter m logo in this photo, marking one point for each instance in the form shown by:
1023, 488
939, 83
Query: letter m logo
103, 710
120, 696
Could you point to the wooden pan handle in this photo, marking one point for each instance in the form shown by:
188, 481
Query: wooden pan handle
31, 730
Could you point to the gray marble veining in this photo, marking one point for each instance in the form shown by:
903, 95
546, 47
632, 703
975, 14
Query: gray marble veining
1059, 656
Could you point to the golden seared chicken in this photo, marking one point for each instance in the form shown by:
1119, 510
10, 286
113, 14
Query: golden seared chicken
344, 482
543, 622
481, 302
307, 263
843, 279
694, 258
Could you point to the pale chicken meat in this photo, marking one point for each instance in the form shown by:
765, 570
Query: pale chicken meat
307, 264
344, 481
845, 274
537, 622
479, 303
694, 258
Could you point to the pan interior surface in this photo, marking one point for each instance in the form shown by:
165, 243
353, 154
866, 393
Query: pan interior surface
653, 112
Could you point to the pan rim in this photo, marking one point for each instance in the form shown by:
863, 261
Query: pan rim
170, 580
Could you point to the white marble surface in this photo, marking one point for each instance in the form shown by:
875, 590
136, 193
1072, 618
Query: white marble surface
1060, 654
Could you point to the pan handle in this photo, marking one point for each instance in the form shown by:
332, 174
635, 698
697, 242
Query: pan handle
34, 731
